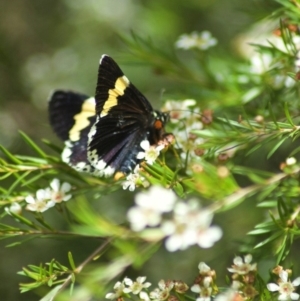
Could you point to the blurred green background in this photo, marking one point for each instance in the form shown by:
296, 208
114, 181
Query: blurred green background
45, 45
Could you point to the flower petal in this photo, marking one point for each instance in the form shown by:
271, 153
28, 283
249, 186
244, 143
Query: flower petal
196, 288
284, 276
294, 296
248, 258
145, 144
55, 184
140, 155
29, 199
65, 187
272, 287
238, 260
203, 267
296, 282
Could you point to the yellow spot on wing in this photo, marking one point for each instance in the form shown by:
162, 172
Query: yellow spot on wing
120, 86
81, 119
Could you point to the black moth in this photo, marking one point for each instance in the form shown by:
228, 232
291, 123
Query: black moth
103, 134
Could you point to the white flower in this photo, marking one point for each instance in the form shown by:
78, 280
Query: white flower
185, 139
207, 235
119, 287
202, 41
163, 292
41, 203
196, 288
133, 179
242, 267
229, 295
58, 193
180, 235
140, 218
260, 63
136, 286
204, 269
284, 287
157, 198
179, 110
290, 161
187, 120
14, 208
204, 291
190, 225
150, 206
144, 296
150, 153
204, 287
235, 285
205, 294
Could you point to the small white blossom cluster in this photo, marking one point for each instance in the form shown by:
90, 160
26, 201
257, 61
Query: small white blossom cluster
204, 284
261, 63
134, 179
284, 287
186, 224
128, 286
140, 289
185, 119
243, 267
242, 287
243, 280
48, 197
202, 41
264, 62
150, 154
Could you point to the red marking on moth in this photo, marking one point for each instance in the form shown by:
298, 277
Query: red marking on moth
158, 124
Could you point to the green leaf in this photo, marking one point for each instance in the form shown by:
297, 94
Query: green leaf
52, 294
14, 244
71, 261
33, 145
273, 116
33, 179
271, 238
281, 249
60, 267
287, 114
19, 180
274, 149
258, 231
6, 176
9, 155
267, 204
24, 220
72, 286
30, 274
251, 94
54, 147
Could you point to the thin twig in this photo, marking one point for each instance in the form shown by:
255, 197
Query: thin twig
82, 265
